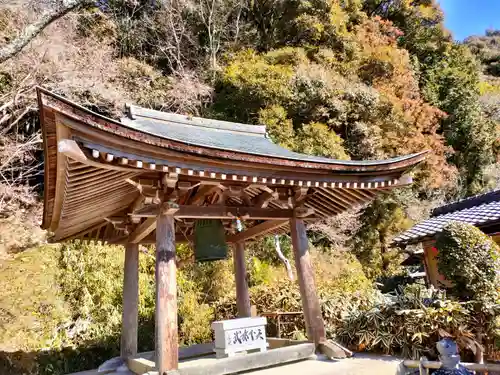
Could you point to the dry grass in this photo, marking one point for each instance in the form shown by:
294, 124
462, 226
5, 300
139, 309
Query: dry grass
20, 229
30, 302
181, 93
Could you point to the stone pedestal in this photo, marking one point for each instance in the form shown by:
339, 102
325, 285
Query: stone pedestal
239, 335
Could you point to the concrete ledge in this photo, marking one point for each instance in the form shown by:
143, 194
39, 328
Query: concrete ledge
248, 362
185, 352
140, 365
284, 351
275, 342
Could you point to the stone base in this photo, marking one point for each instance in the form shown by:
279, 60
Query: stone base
226, 353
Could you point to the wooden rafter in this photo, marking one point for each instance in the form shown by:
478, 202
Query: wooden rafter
331, 199
338, 197
85, 231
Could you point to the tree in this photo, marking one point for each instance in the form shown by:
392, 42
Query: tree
470, 260
61, 8
316, 139
452, 84
487, 49
449, 79
421, 21
380, 222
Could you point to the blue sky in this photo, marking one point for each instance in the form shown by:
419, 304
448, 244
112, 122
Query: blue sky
470, 17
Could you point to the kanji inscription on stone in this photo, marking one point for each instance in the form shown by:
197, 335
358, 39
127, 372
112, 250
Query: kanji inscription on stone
237, 335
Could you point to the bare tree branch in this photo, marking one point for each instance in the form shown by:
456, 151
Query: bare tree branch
31, 31
283, 258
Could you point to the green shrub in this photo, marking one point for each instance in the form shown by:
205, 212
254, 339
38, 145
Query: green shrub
195, 316
92, 281
340, 281
260, 272
278, 126
316, 139
409, 325
470, 260
146, 85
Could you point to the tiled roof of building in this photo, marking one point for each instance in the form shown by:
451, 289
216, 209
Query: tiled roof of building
224, 135
481, 210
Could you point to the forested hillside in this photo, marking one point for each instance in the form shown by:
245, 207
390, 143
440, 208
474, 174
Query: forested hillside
348, 79
486, 48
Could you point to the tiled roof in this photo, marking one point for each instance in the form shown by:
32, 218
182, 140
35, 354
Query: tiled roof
224, 135
481, 210
467, 203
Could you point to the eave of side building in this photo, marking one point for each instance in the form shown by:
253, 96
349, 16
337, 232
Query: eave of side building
482, 211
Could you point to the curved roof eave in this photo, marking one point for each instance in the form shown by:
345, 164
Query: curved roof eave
214, 138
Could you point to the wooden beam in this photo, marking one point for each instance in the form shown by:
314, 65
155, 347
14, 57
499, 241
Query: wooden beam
316, 202
256, 230
116, 219
369, 194
128, 346
184, 191
237, 192
94, 173
310, 303
218, 212
328, 198
263, 199
167, 346
71, 149
202, 192
240, 275
61, 180
123, 227
303, 211
322, 212
143, 230
261, 187
137, 204
300, 193
150, 239
151, 194
353, 202
170, 179
355, 194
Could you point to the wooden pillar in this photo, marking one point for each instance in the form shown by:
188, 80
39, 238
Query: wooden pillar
310, 303
167, 347
128, 345
240, 275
